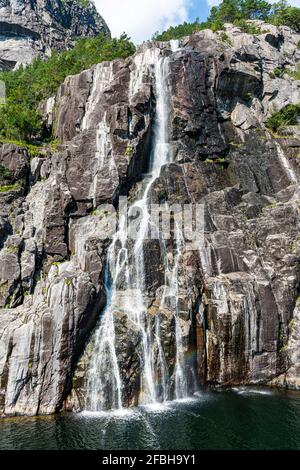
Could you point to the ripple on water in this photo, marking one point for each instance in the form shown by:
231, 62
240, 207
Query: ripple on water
233, 419
247, 391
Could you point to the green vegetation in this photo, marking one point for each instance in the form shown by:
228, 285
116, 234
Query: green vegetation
236, 144
33, 150
177, 32
56, 263
230, 11
294, 74
248, 27
292, 324
274, 205
28, 86
225, 38
288, 116
99, 213
129, 152
238, 12
279, 72
10, 187
5, 173
84, 3
216, 160
283, 349
12, 249
283, 14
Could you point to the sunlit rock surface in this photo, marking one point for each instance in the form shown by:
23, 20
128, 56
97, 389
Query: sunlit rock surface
32, 28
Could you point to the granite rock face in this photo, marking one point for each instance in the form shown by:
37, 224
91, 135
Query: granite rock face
237, 291
30, 29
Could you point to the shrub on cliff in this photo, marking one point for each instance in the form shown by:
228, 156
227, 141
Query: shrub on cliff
28, 86
288, 116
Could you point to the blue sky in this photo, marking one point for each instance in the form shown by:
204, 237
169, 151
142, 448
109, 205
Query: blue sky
198, 8
141, 18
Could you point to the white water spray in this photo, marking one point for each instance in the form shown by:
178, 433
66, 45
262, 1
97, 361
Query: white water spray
289, 171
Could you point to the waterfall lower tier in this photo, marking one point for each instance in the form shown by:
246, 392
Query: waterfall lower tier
141, 344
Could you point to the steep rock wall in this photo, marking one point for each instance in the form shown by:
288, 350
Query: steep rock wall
30, 29
238, 291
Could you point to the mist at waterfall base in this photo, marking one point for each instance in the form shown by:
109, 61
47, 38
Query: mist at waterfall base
241, 418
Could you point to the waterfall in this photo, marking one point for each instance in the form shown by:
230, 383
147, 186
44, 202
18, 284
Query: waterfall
287, 167
174, 44
172, 292
126, 289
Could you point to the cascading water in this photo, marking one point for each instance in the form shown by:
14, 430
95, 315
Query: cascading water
127, 291
288, 169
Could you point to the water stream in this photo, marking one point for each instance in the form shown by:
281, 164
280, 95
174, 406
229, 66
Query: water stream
126, 288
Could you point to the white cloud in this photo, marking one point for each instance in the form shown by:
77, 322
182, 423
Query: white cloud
141, 18
213, 3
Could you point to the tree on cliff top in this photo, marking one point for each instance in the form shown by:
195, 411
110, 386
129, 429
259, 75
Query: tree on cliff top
283, 14
238, 12
231, 10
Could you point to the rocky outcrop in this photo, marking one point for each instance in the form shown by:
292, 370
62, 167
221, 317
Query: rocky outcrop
236, 292
30, 29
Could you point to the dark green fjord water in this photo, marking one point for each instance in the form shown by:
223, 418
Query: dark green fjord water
237, 419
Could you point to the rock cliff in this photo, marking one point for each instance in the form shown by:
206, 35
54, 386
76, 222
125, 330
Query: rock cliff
237, 294
32, 28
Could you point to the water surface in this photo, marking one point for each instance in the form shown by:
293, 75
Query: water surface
242, 418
